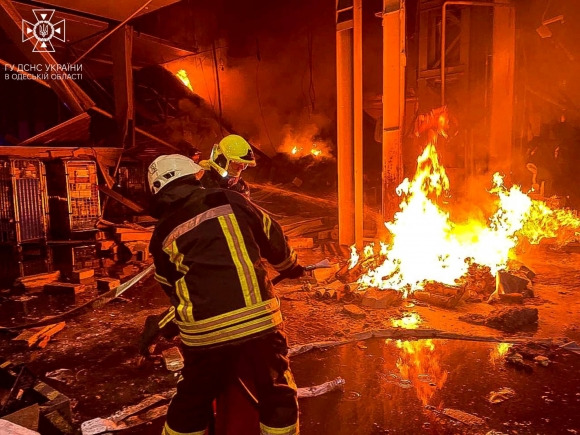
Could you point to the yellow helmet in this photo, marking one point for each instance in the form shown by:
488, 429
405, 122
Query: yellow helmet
236, 149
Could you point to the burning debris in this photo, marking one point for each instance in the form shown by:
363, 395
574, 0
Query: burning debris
439, 261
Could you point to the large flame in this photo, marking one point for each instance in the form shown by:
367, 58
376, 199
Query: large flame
427, 246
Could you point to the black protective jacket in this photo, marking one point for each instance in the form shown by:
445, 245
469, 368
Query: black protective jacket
208, 247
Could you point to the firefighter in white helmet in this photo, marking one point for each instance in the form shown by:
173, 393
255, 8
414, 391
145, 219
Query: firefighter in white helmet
223, 170
207, 247
228, 159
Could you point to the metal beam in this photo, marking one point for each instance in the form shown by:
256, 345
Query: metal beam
393, 102
500, 3
345, 132
108, 156
117, 27
358, 122
502, 89
122, 48
140, 131
63, 131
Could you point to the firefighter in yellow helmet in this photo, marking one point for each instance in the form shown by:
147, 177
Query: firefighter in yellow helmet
207, 247
228, 159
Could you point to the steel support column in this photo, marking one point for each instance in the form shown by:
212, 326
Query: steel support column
358, 123
345, 122
502, 88
393, 101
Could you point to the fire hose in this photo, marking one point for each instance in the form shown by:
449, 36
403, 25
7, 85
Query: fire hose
114, 293
153, 329
91, 305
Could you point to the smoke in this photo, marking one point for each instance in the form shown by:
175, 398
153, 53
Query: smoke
279, 88
304, 138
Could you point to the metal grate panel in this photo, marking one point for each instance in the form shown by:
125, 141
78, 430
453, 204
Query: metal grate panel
22, 211
83, 195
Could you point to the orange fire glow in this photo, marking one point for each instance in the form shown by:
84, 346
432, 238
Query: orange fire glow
420, 364
182, 75
301, 151
408, 321
305, 142
498, 353
427, 246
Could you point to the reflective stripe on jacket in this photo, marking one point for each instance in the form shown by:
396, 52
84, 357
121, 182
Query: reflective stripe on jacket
208, 247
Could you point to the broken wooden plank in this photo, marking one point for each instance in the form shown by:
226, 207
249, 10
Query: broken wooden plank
47, 335
40, 335
77, 127
463, 417
122, 419
39, 280
31, 335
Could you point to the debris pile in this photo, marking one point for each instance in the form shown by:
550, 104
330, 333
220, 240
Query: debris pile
508, 319
31, 405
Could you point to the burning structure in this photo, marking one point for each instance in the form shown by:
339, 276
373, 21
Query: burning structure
427, 148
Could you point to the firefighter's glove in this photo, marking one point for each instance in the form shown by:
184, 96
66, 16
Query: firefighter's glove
294, 272
149, 335
152, 331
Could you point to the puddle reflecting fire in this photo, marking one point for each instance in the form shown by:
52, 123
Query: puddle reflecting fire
420, 366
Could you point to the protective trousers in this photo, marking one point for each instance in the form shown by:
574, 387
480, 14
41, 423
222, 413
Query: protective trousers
208, 371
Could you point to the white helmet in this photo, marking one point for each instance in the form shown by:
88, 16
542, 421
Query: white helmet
168, 168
